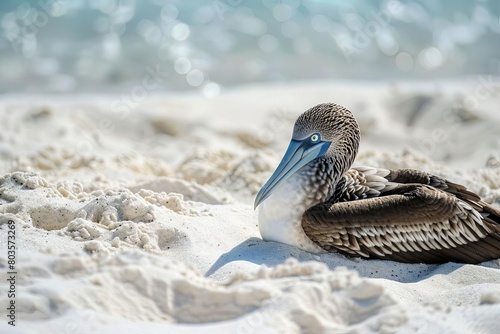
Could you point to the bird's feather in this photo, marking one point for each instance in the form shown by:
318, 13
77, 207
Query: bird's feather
404, 215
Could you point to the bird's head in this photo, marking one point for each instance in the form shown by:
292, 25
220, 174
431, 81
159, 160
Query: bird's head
327, 130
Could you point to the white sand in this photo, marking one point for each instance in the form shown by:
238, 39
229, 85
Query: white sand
144, 221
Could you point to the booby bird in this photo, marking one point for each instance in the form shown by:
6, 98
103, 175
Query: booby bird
316, 202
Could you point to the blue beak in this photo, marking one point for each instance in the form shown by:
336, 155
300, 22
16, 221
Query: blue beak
298, 154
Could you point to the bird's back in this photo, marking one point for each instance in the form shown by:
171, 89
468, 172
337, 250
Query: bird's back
404, 215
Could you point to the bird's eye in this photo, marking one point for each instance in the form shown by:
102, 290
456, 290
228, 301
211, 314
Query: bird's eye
315, 138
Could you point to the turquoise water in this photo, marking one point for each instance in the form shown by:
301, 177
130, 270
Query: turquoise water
112, 45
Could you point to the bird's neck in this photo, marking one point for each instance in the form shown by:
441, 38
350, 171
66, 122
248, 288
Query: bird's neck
280, 215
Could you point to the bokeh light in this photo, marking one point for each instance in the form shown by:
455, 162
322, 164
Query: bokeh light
404, 61
195, 78
105, 45
182, 65
180, 31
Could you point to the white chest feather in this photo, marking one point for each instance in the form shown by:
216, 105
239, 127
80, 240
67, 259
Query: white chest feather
280, 217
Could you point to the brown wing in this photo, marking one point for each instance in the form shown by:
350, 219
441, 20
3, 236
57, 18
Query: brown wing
410, 223
368, 182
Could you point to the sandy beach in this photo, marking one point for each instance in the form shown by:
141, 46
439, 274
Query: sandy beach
139, 217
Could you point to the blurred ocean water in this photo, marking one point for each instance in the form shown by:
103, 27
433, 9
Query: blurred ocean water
112, 45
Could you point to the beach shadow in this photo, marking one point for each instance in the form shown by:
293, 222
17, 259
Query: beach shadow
260, 252
270, 254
